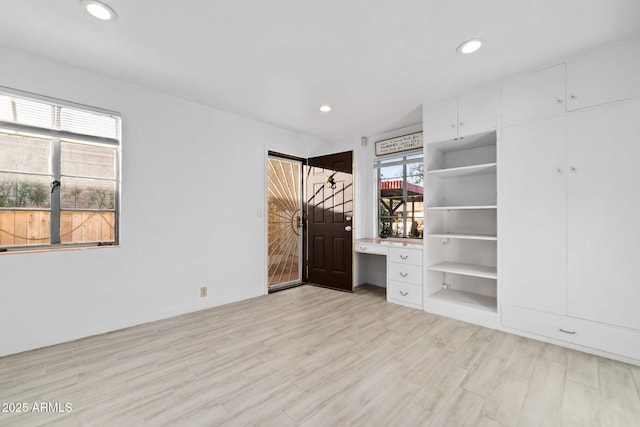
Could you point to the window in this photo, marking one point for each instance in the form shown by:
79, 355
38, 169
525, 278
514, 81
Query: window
401, 196
59, 173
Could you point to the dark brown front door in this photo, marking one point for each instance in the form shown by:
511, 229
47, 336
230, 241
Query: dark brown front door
329, 210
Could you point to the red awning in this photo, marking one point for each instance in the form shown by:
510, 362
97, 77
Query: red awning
392, 189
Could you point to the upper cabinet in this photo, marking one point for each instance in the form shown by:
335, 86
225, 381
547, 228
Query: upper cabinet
534, 96
605, 76
598, 78
456, 117
441, 120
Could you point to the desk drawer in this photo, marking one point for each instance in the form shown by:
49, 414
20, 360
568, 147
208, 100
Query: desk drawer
405, 294
404, 273
405, 256
370, 248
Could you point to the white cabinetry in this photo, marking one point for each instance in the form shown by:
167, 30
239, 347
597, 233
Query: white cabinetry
462, 115
594, 79
570, 231
403, 266
532, 204
603, 214
534, 96
605, 76
404, 277
441, 120
462, 229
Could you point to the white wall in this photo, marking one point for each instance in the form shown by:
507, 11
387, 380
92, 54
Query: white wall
193, 192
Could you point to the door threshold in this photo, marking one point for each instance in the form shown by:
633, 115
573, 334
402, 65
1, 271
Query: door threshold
285, 287
330, 287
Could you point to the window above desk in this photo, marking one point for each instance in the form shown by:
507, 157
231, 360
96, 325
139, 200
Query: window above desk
400, 195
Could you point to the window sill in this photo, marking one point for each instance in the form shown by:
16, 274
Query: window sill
65, 248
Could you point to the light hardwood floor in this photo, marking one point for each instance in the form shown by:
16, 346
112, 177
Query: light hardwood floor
315, 357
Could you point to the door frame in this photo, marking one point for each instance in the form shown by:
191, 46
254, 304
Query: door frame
287, 152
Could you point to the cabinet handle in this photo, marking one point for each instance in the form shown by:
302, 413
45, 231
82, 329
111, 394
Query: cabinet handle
403, 293
404, 274
566, 331
559, 100
573, 169
461, 124
559, 171
573, 97
453, 125
363, 248
404, 256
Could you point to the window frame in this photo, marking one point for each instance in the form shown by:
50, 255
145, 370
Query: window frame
57, 137
403, 159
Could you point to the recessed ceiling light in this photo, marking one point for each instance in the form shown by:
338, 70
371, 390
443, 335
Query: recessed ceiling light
98, 10
469, 46
325, 108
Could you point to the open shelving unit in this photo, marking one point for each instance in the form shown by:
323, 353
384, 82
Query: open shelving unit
472, 170
461, 229
466, 269
474, 301
462, 236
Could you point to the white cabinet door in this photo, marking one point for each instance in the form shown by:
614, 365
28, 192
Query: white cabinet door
606, 76
441, 120
477, 112
603, 215
530, 97
532, 201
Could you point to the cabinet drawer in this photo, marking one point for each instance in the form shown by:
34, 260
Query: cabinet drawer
599, 336
370, 248
405, 294
405, 256
404, 273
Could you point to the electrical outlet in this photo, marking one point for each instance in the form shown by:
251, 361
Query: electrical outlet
203, 292
448, 285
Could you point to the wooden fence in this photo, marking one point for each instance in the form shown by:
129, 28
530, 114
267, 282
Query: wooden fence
28, 228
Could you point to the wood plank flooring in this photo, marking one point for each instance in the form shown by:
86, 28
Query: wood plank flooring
310, 356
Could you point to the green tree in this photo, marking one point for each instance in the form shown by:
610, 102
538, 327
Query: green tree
22, 191
6, 188
75, 195
98, 197
37, 193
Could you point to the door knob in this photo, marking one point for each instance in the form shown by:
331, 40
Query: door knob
348, 228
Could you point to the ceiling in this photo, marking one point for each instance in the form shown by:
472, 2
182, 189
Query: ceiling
277, 61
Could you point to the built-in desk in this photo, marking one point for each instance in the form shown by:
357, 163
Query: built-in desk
400, 271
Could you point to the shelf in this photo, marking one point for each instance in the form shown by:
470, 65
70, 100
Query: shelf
463, 236
483, 169
460, 208
466, 269
465, 142
482, 302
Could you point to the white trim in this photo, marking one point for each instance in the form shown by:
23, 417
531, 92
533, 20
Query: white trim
57, 101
